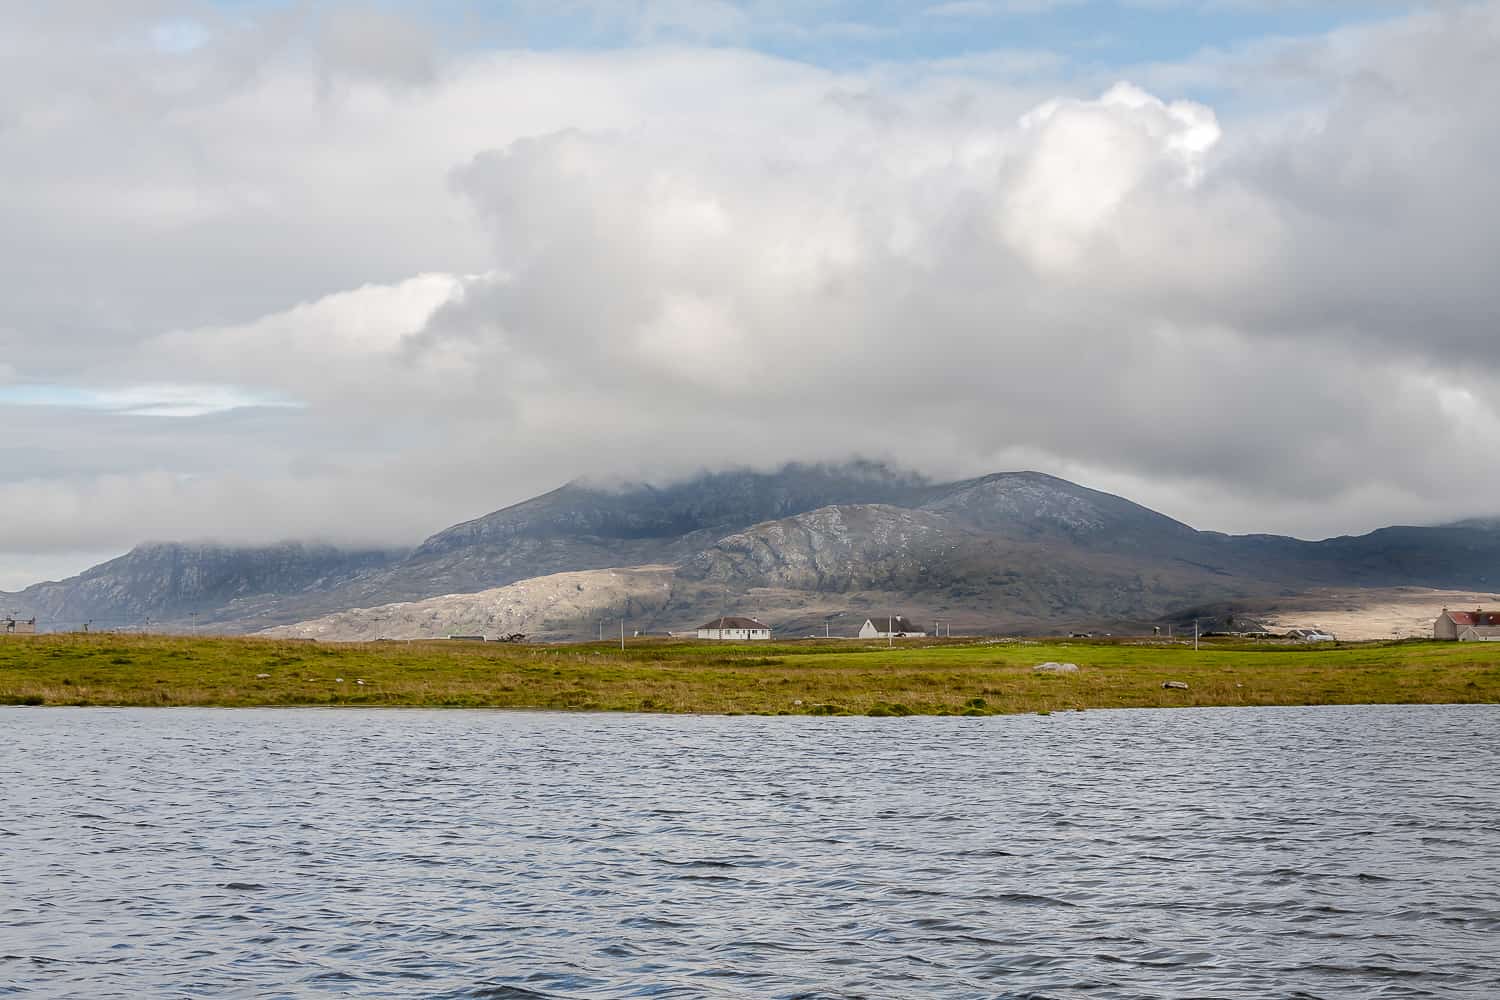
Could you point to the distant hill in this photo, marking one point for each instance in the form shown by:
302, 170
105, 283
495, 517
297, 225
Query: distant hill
183, 583
805, 545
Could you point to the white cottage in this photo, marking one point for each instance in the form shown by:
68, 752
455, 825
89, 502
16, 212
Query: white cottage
889, 626
1451, 624
731, 627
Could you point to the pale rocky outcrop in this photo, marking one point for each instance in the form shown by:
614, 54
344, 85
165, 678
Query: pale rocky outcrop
540, 607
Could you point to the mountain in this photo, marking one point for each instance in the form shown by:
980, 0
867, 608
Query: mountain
803, 545
578, 526
1031, 506
1462, 554
589, 527
878, 548
176, 583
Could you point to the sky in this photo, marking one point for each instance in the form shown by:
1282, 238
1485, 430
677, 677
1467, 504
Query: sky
353, 272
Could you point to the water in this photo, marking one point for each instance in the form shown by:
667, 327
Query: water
1328, 852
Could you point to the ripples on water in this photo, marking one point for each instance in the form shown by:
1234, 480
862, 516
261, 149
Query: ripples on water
1333, 852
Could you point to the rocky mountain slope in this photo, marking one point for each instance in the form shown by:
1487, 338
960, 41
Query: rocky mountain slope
586, 527
545, 606
180, 584
803, 545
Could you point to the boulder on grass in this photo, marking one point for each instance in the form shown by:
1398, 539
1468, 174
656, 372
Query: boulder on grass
1175, 685
1053, 667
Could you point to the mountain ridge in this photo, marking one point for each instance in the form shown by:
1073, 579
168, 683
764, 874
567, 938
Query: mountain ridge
1020, 549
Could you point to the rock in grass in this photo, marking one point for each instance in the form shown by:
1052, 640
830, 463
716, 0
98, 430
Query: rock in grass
1175, 685
1053, 667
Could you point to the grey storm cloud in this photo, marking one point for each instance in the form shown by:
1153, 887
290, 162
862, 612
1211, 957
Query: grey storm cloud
290, 277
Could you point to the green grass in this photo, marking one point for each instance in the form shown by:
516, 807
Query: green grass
926, 677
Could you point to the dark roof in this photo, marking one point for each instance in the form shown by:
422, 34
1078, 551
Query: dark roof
730, 621
898, 623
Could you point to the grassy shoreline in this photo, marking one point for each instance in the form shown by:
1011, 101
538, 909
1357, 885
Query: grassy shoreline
931, 677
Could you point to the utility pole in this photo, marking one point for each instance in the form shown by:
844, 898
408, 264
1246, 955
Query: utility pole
1195, 635
622, 635
601, 630
890, 640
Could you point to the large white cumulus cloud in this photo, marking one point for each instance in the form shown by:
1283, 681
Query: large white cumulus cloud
478, 275
1082, 159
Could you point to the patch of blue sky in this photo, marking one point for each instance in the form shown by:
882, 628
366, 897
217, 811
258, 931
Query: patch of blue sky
1090, 39
45, 395
850, 33
179, 35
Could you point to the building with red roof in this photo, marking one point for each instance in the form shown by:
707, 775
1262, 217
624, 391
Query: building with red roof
1451, 624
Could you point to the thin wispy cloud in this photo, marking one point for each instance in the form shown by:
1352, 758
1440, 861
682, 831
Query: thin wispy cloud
142, 400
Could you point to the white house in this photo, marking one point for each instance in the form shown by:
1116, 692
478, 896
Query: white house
15, 625
888, 626
1450, 624
1311, 635
1480, 633
731, 627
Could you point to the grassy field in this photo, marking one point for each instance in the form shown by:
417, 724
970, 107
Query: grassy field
931, 677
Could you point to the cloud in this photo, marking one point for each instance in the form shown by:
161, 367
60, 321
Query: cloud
511, 268
1083, 159
369, 43
348, 345
141, 400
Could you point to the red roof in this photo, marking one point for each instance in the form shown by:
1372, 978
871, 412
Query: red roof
1481, 619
